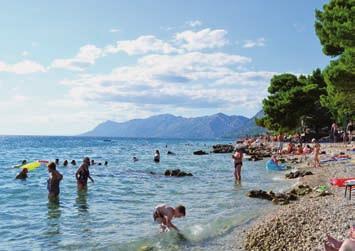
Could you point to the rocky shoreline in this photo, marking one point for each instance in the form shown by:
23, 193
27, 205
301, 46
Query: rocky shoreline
304, 223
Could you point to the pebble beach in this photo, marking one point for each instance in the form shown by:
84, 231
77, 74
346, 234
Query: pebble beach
304, 223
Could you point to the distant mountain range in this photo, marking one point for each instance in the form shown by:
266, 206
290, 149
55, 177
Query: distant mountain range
169, 126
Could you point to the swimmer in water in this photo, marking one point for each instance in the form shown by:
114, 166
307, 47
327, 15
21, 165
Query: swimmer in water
73, 162
53, 181
83, 174
157, 156
22, 175
65, 163
163, 214
135, 159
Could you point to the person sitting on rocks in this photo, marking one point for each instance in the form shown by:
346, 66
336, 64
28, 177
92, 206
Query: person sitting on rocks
299, 150
275, 160
332, 244
290, 148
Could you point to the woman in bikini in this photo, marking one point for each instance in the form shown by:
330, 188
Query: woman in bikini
238, 162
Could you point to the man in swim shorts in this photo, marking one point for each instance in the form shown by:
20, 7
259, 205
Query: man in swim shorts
163, 214
53, 181
83, 174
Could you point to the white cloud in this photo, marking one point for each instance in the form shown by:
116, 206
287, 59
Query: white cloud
141, 45
86, 56
260, 42
20, 98
202, 39
114, 30
22, 67
194, 23
25, 53
192, 80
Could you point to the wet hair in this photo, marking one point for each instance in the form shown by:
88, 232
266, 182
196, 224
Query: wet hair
181, 209
52, 166
24, 162
25, 170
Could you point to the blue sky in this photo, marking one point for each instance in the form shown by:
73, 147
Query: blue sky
66, 66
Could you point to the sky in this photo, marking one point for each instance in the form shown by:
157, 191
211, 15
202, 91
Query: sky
66, 66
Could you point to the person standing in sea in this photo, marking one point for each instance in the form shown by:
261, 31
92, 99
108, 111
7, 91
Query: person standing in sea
53, 181
238, 162
83, 174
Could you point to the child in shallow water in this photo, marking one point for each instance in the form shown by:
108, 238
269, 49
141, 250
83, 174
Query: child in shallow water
163, 214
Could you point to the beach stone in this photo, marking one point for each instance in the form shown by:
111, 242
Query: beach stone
297, 174
200, 152
276, 198
223, 148
260, 194
301, 190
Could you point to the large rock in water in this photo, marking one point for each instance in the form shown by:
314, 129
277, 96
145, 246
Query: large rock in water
277, 198
294, 175
200, 152
176, 173
223, 148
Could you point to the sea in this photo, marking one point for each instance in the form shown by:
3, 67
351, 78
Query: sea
115, 213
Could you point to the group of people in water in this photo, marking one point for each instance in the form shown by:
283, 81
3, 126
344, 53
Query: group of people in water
163, 214
53, 183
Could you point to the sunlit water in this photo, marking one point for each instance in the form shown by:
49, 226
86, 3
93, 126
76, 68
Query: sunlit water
116, 211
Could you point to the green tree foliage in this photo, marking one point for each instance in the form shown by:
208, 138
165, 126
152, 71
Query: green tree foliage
294, 102
335, 27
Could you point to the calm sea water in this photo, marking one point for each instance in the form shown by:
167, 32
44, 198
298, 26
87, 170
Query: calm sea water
116, 211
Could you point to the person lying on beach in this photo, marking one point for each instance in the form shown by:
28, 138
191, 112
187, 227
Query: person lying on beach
83, 174
332, 244
53, 181
22, 175
163, 214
